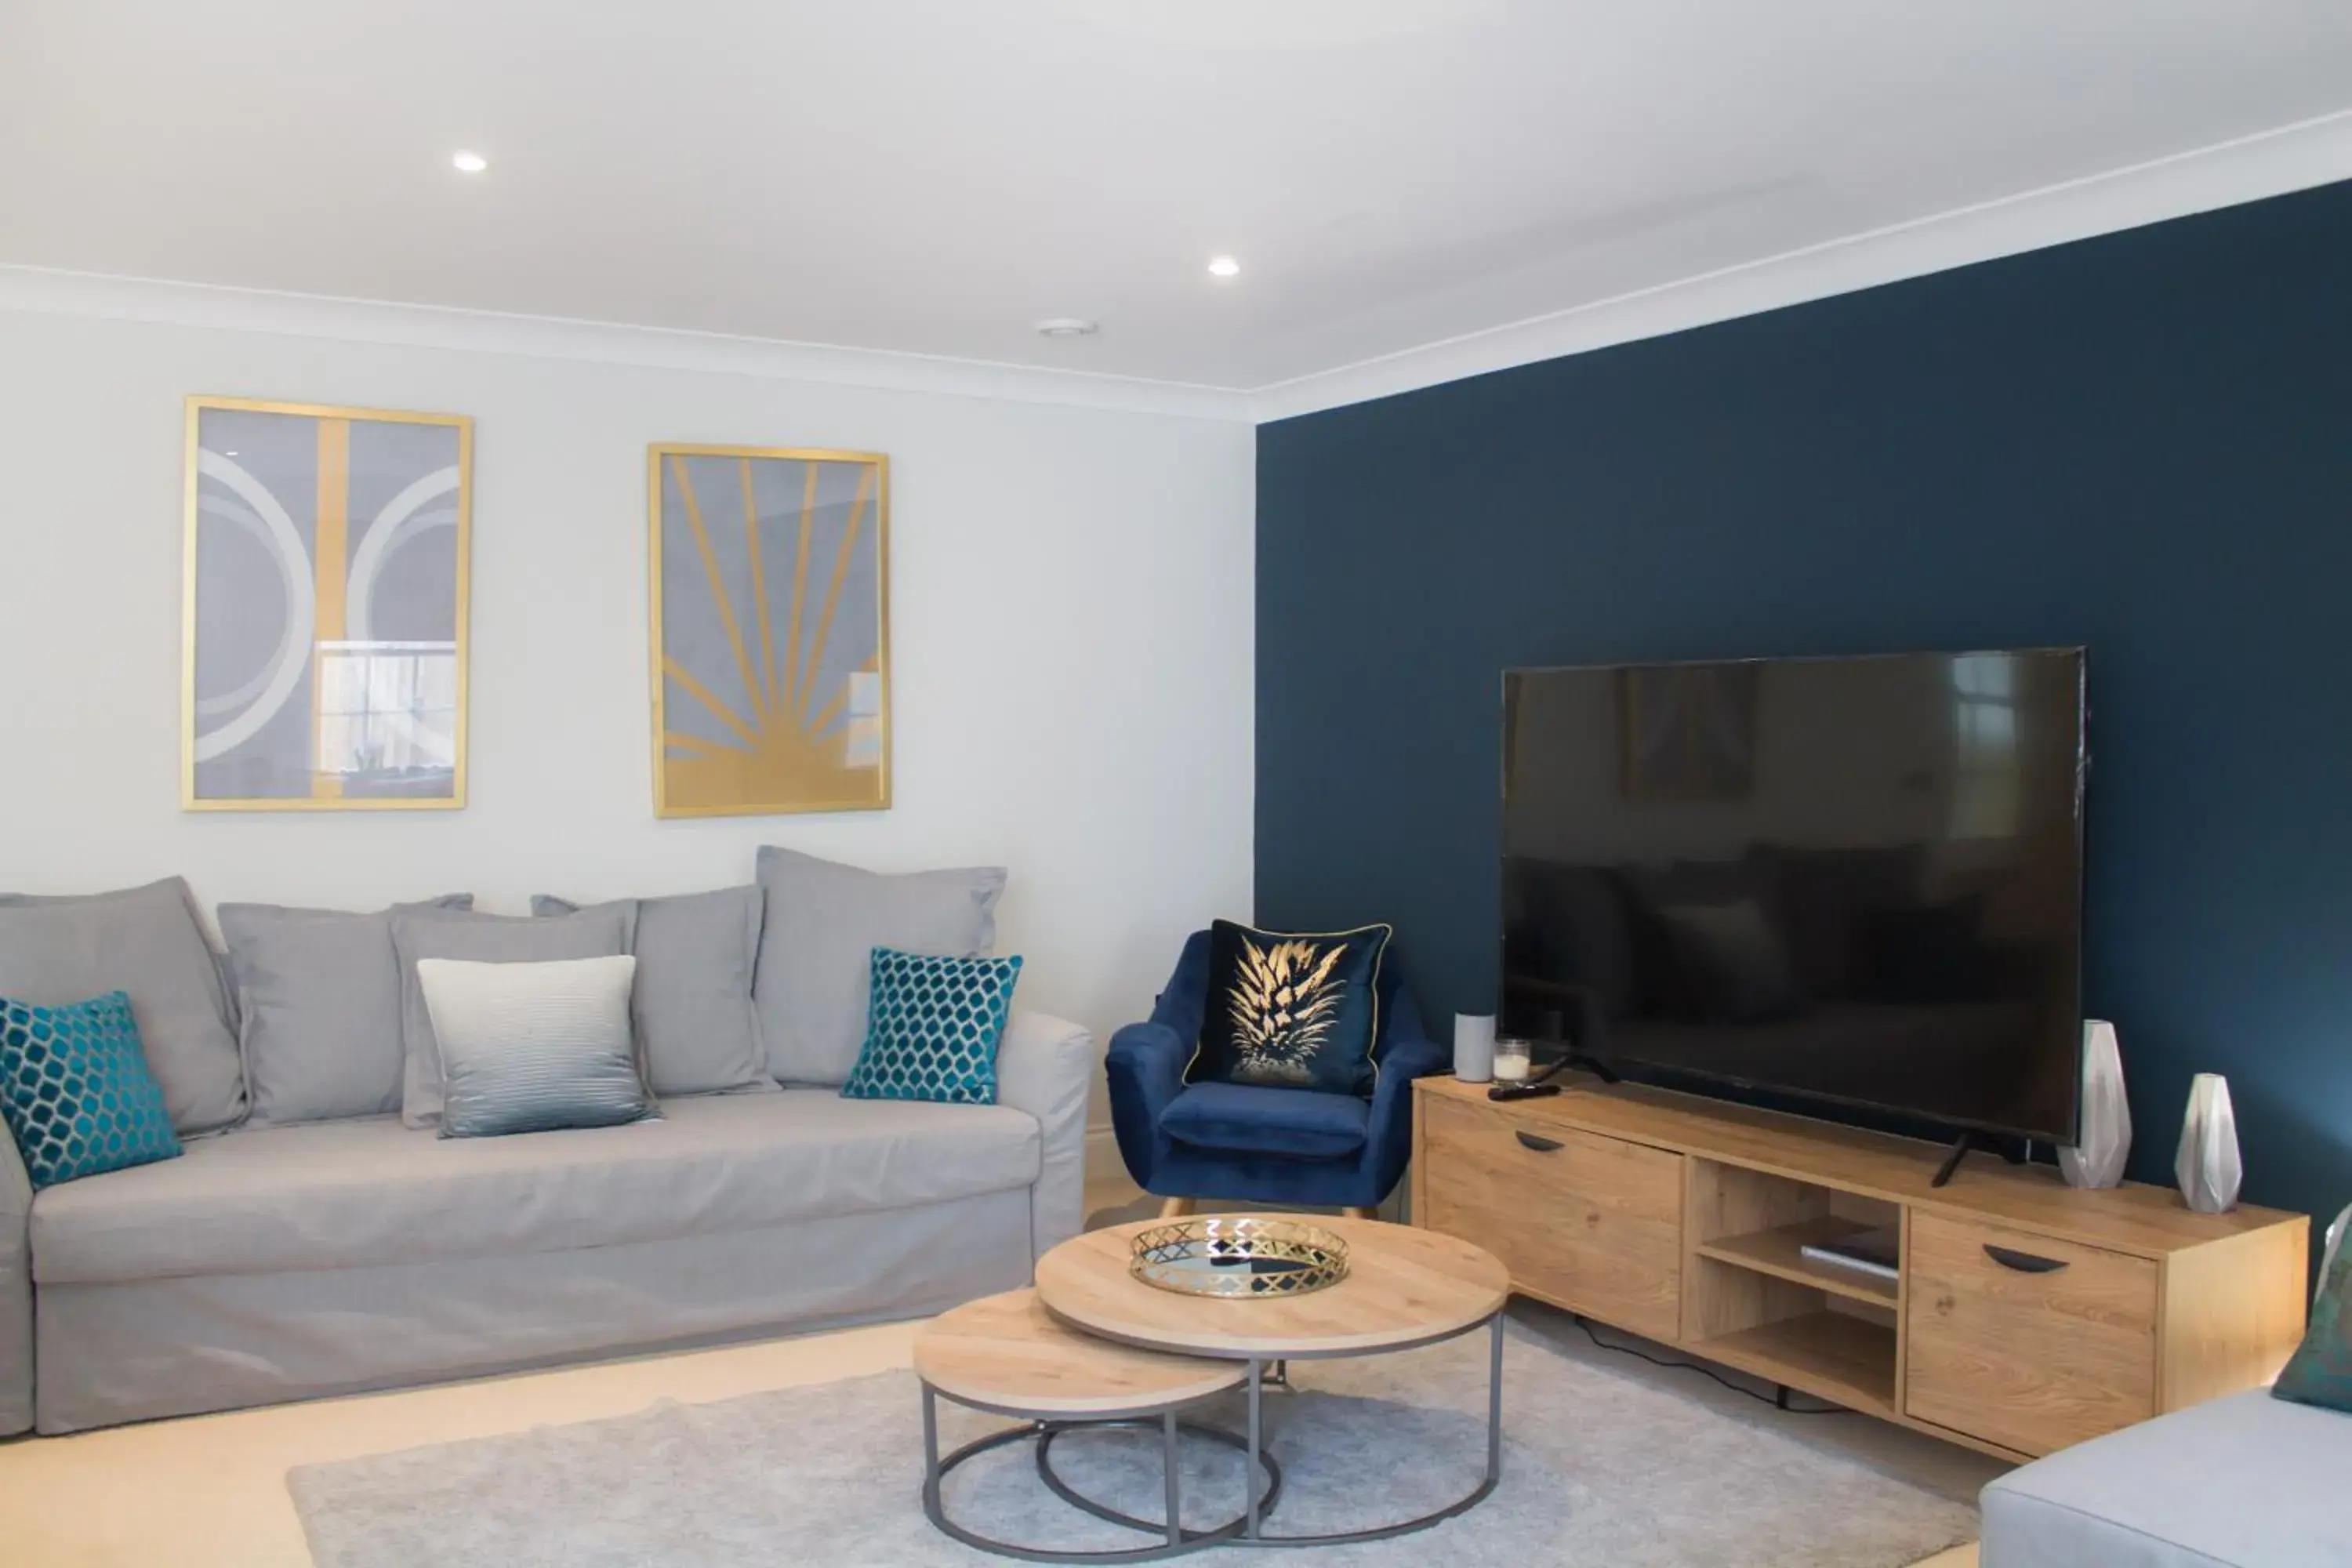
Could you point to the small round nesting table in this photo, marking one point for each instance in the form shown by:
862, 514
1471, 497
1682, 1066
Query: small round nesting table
1007, 1356
1093, 1345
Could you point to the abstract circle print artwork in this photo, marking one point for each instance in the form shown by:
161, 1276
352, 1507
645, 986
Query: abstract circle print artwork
325, 665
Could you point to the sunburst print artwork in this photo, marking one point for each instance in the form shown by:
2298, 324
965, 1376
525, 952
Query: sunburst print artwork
771, 631
1283, 1006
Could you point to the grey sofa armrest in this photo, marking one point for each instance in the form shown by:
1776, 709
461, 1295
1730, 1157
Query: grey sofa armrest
1046, 1067
16, 1291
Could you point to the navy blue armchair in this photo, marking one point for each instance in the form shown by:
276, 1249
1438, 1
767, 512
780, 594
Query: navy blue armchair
1229, 1142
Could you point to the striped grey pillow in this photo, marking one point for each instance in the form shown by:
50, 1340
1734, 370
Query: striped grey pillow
526, 1047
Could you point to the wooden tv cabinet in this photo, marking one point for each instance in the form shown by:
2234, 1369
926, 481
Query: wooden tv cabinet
2027, 1315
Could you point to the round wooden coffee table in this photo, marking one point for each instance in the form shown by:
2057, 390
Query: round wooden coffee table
1007, 1356
1405, 1287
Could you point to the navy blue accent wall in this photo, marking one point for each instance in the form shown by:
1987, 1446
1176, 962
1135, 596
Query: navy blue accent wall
2142, 443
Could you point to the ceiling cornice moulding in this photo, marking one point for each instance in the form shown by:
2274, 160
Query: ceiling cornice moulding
2293, 158
51, 292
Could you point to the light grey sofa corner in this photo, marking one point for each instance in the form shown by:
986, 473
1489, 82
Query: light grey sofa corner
16, 1291
2244, 1482
1047, 1067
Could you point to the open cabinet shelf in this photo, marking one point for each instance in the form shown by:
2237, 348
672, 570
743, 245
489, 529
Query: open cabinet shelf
1847, 1359
1778, 1251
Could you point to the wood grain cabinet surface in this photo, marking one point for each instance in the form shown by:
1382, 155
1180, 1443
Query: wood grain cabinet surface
1587, 1223
2030, 1342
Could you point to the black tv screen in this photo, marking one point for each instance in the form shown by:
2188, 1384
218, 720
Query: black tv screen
1853, 880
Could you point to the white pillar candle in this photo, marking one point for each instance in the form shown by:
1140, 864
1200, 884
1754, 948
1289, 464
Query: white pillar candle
1511, 1060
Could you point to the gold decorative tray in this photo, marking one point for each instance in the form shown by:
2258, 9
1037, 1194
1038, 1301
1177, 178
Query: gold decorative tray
1239, 1256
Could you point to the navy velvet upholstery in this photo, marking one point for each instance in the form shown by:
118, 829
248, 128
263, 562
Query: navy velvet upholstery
1270, 1145
1252, 1118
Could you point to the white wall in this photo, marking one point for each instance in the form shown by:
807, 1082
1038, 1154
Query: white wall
1071, 643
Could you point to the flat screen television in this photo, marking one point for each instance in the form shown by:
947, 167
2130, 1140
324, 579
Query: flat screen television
1850, 880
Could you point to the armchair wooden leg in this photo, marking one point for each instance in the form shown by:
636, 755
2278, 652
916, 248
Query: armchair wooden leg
1175, 1209
1358, 1211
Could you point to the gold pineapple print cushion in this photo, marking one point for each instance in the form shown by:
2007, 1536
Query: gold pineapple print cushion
1292, 1009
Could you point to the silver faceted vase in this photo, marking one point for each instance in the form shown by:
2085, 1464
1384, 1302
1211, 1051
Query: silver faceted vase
2105, 1134
2207, 1166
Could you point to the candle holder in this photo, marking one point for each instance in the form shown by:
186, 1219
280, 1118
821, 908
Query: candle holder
1514, 1060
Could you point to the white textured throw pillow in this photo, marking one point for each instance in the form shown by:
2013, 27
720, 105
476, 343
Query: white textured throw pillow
526, 1047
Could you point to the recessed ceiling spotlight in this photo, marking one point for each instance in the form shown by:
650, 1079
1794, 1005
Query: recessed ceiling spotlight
469, 162
1224, 266
1067, 327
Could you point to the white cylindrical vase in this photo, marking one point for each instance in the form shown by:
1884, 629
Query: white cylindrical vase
2103, 1138
1473, 1048
2208, 1165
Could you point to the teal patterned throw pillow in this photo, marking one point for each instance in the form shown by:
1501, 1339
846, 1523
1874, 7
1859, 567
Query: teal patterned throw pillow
932, 1028
76, 1091
2320, 1372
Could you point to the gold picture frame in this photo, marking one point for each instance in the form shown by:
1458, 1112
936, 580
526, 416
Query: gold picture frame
752, 718
315, 530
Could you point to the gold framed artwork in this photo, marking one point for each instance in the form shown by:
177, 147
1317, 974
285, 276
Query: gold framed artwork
770, 630
324, 610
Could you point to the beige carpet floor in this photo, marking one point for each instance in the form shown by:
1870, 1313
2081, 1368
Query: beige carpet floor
1600, 1471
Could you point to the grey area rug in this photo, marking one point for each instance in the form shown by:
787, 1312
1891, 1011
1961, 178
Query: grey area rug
1598, 1469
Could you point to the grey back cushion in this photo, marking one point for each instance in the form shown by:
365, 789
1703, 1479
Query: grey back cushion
479, 939
529, 1047
695, 1026
150, 942
824, 921
317, 994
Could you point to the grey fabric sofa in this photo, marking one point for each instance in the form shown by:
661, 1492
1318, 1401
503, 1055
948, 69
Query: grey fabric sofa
2246, 1481
280, 1263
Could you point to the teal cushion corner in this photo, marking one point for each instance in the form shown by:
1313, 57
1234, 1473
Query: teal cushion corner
2320, 1370
933, 1025
75, 1090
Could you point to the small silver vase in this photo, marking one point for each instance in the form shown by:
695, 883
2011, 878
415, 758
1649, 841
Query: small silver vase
2097, 1161
2207, 1166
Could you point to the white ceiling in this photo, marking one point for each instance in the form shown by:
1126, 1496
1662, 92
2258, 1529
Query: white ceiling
936, 176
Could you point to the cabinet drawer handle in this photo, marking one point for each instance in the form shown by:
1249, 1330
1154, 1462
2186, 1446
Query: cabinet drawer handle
2024, 1262
1541, 1145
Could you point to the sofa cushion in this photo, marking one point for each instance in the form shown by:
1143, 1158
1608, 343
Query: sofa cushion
824, 921
76, 1091
344, 1194
530, 1047
1248, 1120
2320, 1370
317, 996
482, 939
148, 941
693, 1008
935, 1024
2245, 1479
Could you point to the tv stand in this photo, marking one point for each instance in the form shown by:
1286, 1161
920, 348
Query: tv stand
1972, 1139
2025, 1315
